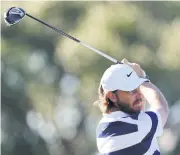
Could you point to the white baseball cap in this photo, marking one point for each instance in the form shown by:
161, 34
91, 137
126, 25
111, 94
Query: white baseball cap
120, 77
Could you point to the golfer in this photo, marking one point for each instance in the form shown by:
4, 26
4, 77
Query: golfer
126, 128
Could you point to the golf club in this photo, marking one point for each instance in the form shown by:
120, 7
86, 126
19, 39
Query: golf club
15, 14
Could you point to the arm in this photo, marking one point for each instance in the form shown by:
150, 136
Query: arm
156, 99
152, 94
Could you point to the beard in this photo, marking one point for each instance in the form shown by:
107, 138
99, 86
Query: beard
126, 107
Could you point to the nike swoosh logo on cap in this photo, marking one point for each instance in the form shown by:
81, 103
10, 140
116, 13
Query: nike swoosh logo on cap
128, 75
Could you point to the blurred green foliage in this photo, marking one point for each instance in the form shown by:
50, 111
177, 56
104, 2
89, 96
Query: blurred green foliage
49, 82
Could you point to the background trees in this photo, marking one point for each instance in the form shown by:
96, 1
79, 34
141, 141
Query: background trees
48, 82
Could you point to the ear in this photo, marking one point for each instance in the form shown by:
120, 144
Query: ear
111, 96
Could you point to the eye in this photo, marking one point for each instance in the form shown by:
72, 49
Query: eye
134, 91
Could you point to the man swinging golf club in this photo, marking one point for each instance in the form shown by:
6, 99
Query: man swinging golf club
125, 128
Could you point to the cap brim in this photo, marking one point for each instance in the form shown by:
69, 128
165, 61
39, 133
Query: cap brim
134, 84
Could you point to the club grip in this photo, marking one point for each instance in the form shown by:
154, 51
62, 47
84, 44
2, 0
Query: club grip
119, 62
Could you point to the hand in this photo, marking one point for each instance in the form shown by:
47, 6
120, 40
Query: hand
136, 67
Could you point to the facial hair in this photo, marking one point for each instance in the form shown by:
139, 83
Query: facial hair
125, 107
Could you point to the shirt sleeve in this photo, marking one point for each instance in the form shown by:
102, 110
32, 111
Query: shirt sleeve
159, 130
152, 119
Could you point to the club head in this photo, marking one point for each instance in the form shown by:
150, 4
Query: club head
13, 15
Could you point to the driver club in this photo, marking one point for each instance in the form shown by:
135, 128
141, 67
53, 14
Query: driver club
15, 15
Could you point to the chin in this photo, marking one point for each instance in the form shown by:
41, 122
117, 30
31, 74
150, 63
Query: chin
138, 107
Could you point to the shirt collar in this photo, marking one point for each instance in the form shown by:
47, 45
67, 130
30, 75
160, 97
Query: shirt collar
116, 114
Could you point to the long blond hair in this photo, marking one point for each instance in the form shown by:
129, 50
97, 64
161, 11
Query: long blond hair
104, 103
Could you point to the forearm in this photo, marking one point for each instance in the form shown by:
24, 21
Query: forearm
156, 99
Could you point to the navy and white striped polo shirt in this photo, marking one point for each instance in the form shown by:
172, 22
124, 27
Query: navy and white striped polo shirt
121, 134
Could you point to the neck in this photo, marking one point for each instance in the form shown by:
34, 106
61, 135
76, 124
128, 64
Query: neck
112, 110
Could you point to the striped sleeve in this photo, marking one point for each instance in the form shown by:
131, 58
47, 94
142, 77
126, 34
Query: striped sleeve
159, 130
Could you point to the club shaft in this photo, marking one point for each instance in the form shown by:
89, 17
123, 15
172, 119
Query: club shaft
75, 39
55, 29
99, 52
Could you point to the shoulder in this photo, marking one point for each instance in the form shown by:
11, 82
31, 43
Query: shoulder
119, 133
